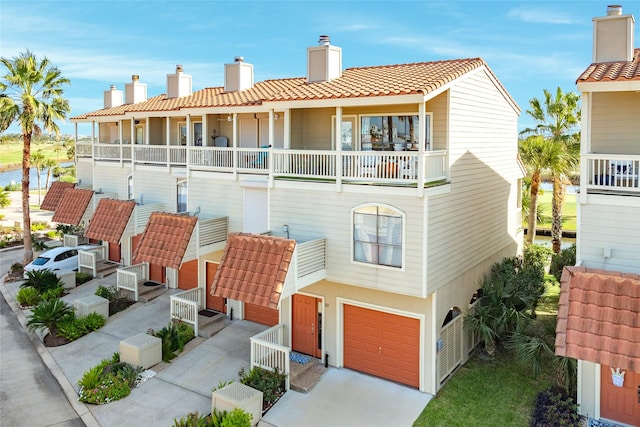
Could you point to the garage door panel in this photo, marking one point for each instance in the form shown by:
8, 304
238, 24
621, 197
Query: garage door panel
262, 315
382, 344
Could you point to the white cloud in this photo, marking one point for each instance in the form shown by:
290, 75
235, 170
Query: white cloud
541, 16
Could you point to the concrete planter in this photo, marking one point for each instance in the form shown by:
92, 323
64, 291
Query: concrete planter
238, 395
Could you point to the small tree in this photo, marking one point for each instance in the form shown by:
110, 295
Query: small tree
37, 161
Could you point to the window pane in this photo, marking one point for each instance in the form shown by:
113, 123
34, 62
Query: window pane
365, 252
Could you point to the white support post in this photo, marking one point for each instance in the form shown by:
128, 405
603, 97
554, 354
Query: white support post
421, 142
338, 148
287, 129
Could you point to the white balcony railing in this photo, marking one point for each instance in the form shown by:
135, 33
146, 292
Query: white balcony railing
130, 278
400, 167
83, 149
618, 172
186, 305
269, 352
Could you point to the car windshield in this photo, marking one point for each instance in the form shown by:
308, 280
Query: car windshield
41, 260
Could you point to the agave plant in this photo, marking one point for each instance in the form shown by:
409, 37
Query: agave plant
42, 280
47, 314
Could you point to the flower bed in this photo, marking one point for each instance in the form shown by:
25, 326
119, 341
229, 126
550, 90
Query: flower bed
108, 381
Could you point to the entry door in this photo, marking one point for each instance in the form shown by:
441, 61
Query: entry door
621, 404
214, 302
114, 252
307, 327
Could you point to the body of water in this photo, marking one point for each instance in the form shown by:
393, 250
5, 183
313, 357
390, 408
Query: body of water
548, 186
15, 176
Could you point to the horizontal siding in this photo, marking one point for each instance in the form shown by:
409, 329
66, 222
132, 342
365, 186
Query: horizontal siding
156, 186
617, 229
615, 123
475, 221
112, 178
438, 106
312, 214
84, 173
218, 198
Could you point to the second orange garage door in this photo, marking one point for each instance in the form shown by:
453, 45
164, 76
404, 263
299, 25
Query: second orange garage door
262, 315
382, 344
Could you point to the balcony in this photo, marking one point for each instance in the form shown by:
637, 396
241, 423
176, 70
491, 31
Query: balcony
614, 173
388, 167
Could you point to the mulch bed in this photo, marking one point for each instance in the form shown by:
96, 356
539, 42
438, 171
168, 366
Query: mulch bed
119, 304
54, 341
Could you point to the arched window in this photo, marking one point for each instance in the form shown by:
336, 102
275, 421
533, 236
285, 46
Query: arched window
378, 235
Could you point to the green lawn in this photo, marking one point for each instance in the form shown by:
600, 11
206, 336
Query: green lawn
568, 211
11, 153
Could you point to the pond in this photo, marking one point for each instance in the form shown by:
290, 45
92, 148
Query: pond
15, 176
546, 241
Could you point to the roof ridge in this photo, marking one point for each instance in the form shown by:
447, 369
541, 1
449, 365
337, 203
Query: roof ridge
442, 61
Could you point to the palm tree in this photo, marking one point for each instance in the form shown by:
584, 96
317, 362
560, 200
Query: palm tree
31, 94
538, 155
50, 164
557, 121
37, 161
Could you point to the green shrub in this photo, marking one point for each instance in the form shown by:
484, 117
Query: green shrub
53, 293
566, 257
17, 268
82, 278
72, 327
42, 280
110, 293
555, 408
108, 381
39, 225
52, 234
235, 418
174, 337
38, 244
270, 383
47, 315
28, 296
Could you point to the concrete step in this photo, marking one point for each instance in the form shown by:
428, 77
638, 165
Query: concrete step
149, 293
305, 376
105, 268
209, 326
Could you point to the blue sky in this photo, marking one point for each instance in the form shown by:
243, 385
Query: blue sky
529, 45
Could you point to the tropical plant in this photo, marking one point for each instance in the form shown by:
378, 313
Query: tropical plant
37, 161
566, 257
270, 383
42, 280
108, 381
236, 418
47, 315
557, 121
31, 94
50, 164
174, 337
541, 215
28, 297
5, 200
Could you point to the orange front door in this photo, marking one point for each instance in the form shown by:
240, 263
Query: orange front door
306, 333
188, 275
214, 302
382, 344
621, 404
114, 252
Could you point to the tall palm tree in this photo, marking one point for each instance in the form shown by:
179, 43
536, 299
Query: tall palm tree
557, 120
31, 94
37, 161
50, 164
538, 155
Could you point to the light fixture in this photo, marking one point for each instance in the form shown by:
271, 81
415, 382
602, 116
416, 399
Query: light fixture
229, 118
276, 116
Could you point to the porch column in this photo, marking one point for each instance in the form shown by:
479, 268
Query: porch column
189, 142
421, 142
147, 131
75, 152
133, 139
168, 131
234, 142
121, 148
93, 151
271, 125
287, 129
585, 146
271, 139
204, 131
338, 147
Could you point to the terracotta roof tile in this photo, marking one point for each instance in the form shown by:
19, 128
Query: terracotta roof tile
253, 269
165, 239
599, 317
72, 206
54, 195
386, 80
110, 219
619, 71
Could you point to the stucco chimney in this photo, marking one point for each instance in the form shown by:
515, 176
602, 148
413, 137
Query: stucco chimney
613, 36
178, 84
238, 75
112, 97
135, 91
324, 62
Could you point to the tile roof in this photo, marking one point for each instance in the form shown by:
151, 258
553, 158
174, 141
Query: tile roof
599, 317
619, 71
72, 206
54, 195
386, 80
253, 269
165, 239
110, 219
399, 79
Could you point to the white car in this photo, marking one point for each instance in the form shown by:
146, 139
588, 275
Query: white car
60, 258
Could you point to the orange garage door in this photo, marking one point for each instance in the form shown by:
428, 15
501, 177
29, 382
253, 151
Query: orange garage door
382, 344
188, 275
262, 315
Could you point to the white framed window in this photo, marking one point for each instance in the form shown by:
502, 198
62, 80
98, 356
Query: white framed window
130, 187
181, 205
393, 132
378, 235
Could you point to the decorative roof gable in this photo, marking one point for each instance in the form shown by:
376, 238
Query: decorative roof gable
54, 195
72, 206
110, 219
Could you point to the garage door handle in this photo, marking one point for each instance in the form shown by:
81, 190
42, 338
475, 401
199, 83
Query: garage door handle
379, 350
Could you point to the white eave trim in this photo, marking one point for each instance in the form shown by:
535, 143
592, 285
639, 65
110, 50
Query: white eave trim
345, 102
616, 86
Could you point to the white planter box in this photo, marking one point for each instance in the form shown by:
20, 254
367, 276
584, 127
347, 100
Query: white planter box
68, 279
238, 395
91, 304
141, 350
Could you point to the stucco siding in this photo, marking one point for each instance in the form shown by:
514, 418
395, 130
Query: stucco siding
613, 229
313, 214
475, 221
615, 123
